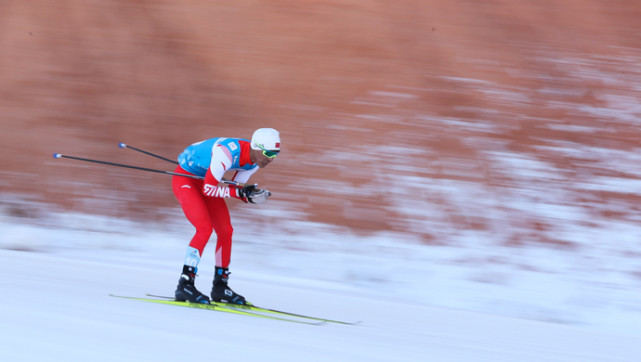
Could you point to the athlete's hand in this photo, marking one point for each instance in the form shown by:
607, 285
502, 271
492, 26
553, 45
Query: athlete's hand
245, 191
251, 193
258, 196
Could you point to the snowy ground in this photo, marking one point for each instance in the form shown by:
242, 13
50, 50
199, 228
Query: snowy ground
415, 302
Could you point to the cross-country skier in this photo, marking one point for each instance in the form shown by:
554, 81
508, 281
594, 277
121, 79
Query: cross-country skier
204, 206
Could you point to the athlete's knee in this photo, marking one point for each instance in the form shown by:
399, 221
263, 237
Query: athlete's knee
224, 233
204, 231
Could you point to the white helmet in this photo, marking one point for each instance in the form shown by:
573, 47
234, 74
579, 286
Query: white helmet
266, 139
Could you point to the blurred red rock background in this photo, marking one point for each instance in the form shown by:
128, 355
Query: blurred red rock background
434, 118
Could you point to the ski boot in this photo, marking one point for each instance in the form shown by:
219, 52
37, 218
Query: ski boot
221, 291
186, 290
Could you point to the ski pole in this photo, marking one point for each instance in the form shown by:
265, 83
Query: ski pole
124, 145
224, 181
58, 155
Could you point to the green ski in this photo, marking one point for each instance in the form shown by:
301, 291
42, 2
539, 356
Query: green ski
253, 308
218, 308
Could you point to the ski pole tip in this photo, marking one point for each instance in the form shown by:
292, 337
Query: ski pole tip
122, 145
57, 155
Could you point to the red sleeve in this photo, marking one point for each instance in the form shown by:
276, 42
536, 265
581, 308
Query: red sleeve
233, 192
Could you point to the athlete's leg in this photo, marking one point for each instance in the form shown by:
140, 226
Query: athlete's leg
221, 222
189, 195
220, 291
188, 191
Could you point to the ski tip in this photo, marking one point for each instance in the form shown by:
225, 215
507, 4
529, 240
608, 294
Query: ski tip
57, 155
122, 145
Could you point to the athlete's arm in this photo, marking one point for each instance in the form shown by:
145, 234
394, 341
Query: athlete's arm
221, 161
242, 176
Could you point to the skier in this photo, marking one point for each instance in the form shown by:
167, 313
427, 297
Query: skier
204, 206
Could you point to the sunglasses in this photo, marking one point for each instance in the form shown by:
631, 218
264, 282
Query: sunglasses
268, 153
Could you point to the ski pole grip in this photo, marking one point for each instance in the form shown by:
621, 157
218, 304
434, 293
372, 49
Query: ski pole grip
234, 183
57, 155
122, 145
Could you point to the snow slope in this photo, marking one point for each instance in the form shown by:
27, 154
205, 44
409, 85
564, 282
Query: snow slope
55, 306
